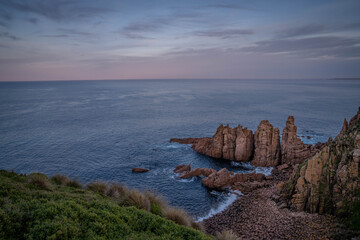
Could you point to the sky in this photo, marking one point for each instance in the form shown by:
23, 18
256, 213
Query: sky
172, 39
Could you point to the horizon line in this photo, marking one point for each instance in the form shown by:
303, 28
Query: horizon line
175, 79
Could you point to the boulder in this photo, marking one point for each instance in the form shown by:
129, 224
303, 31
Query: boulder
217, 180
193, 173
182, 168
267, 145
139, 170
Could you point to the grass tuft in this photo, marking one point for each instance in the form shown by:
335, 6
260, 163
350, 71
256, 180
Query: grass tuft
40, 180
178, 216
226, 235
59, 179
98, 187
138, 199
74, 184
117, 190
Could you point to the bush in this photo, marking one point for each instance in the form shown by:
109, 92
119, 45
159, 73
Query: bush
74, 183
178, 216
137, 199
117, 190
98, 187
158, 203
59, 179
226, 235
39, 180
68, 213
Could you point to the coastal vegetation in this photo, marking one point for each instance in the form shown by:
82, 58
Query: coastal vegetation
38, 207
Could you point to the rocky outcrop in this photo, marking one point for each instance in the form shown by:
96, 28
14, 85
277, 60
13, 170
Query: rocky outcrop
182, 168
329, 181
222, 179
244, 144
267, 145
293, 150
139, 170
218, 180
343, 129
227, 143
262, 148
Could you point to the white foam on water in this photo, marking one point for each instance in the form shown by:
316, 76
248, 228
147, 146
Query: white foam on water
250, 168
264, 170
222, 206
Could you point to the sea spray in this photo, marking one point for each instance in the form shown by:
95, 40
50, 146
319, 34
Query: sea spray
229, 199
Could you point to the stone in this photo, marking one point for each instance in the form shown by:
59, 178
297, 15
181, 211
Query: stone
283, 166
139, 170
193, 173
267, 145
182, 168
217, 180
293, 150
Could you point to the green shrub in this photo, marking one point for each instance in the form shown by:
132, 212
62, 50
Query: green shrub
178, 216
59, 179
70, 213
138, 199
40, 180
98, 187
74, 184
117, 191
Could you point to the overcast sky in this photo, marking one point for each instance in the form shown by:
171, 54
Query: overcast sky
154, 39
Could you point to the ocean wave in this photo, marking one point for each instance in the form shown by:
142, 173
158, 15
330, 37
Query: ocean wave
233, 195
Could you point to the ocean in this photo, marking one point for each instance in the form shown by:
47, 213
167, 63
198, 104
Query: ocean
99, 130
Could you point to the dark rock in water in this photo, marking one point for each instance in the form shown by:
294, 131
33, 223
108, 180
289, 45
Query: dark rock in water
293, 150
139, 170
182, 168
308, 137
267, 145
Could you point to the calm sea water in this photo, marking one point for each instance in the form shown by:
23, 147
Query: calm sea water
99, 130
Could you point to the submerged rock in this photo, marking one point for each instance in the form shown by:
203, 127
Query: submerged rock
139, 170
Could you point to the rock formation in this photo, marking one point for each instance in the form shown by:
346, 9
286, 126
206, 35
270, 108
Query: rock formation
182, 168
267, 145
329, 182
244, 144
227, 143
222, 179
262, 148
139, 170
293, 150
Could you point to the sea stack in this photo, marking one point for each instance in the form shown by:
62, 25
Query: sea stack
267, 145
293, 150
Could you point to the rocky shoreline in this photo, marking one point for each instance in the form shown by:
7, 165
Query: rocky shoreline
310, 190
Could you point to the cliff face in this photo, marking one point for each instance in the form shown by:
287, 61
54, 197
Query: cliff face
267, 145
329, 182
293, 150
